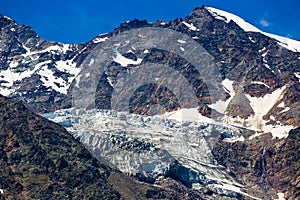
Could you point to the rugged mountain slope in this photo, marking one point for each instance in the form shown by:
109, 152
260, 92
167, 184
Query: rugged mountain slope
271, 164
259, 90
261, 68
40, 160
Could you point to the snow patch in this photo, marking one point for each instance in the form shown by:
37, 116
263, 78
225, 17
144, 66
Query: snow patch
287, 43
68, 67
181, 41
186, 114
232, 140
190, 26
110, 81
220, 106
99, 40
285, 109
261, 106
251, 39
281, 105
124, 62
49, 80
260, 83
297, 74
280, 196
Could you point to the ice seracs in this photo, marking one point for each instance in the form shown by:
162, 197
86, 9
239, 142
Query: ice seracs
151, 146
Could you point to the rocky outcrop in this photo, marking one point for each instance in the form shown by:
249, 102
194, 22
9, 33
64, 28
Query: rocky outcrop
271, 164
39, 159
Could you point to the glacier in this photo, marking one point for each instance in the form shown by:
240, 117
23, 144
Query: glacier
151, 147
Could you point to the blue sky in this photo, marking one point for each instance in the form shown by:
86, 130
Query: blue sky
80, 20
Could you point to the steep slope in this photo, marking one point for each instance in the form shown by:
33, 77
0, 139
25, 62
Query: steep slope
271, 164
34, 70
40, 160
257, 66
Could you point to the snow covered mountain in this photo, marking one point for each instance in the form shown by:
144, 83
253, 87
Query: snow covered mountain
260, 68
259, 82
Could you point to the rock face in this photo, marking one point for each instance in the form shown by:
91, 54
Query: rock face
269, 163
39, 159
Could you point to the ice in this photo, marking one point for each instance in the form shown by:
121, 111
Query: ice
287, 43
235, 189
138, 144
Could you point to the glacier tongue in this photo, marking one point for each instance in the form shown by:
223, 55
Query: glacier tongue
151, 147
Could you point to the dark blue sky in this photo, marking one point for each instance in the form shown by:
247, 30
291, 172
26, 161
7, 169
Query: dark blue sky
80, 20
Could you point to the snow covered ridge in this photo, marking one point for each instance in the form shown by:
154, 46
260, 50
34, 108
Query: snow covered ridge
288, 43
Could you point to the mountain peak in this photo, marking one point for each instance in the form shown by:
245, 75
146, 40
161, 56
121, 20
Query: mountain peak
290, 44
5, 21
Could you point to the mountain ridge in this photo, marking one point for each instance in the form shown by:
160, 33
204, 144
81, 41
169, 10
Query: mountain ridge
53, 67
259, 81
